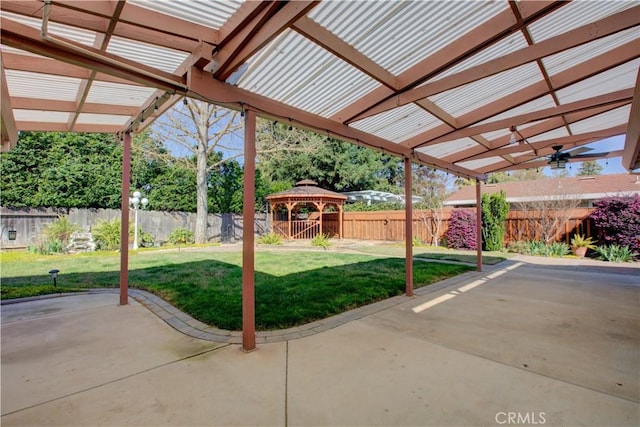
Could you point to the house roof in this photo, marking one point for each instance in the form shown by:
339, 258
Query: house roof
575, 187
306, 190
438, 82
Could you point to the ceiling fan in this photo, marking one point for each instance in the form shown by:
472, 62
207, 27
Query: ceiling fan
559, 158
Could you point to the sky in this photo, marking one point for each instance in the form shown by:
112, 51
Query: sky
611, 166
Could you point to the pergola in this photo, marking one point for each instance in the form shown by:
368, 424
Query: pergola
466, 87
305, 193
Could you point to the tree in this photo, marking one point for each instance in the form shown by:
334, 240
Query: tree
199, 130
618, 221
494, 215
590, 168
434, 187
333, 164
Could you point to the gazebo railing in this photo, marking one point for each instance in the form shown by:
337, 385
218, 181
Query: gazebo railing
306, 229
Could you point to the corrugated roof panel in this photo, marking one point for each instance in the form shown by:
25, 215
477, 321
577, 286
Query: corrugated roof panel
555, 133
41, 116
154, 56
448, 148
557, 63
212, 14
510, 44
102, 119
55, 29
305, 76
535, 105
118, 94
398, 124
480, 163
41, 86
467, 98
606, 120
618, 78
397, 35
574, 15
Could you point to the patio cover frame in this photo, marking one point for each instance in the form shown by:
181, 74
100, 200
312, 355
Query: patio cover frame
560, 72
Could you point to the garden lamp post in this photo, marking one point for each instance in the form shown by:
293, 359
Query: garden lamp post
135, 201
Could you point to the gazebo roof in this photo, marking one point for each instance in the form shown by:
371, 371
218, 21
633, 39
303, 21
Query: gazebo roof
306, 190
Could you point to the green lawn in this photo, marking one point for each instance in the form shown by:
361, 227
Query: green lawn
437, 253
292, 287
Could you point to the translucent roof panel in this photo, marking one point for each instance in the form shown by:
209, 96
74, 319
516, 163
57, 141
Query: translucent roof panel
574, 15
56, 29
555, 133
398, 124
537, 104
618, 78
559, 62
448, 148
42, 86
211, 14
154, 56
118, 94
397, 35
305, 76
103, 119
480, 163
602, 121
509, 45
41, 116
467, 98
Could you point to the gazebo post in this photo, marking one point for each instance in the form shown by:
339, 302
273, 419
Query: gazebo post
289, 209
248, 225
408, 214
340, 220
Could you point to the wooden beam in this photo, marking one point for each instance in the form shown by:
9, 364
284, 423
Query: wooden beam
546, 113
9, 128
27, 38
202, 86
20, 103
586, 69
248, 234
328, 41
64, 127
124, 219
265, 30
408, 231
631, 155
479, 38
573, 38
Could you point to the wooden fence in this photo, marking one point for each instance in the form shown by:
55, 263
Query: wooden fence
524, 226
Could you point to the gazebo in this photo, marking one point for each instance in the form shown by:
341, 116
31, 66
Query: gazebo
300, 223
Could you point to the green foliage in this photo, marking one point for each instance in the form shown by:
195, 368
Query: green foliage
60, 229
321, 240
590, 168
511, 176
181, 236
615, 253
270, 238
494, 215
363, 207
106, 234
47, 247
554, 249
145, 240
579, 241
518, 247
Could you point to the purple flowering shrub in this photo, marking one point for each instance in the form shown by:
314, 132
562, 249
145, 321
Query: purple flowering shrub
461, 233
617, 220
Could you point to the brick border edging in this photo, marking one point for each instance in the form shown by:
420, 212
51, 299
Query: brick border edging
187, 325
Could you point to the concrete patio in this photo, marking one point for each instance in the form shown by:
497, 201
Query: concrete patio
533, 343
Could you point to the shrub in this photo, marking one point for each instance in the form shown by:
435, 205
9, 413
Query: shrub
518, 247
181, 236
321, 240
494, 215
461, 233
536, 248
618, 221
106, 234
60, 229
557, 249
270, 238
579, 241
615, 253
47, 247
146, 240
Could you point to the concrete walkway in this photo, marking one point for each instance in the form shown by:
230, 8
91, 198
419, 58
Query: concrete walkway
535, 343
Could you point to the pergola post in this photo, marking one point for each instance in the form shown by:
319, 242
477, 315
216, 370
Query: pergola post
479, 224
124, 220
408, 214
248, 225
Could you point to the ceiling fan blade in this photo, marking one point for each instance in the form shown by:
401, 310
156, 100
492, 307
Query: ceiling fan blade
580, 156
579, 151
